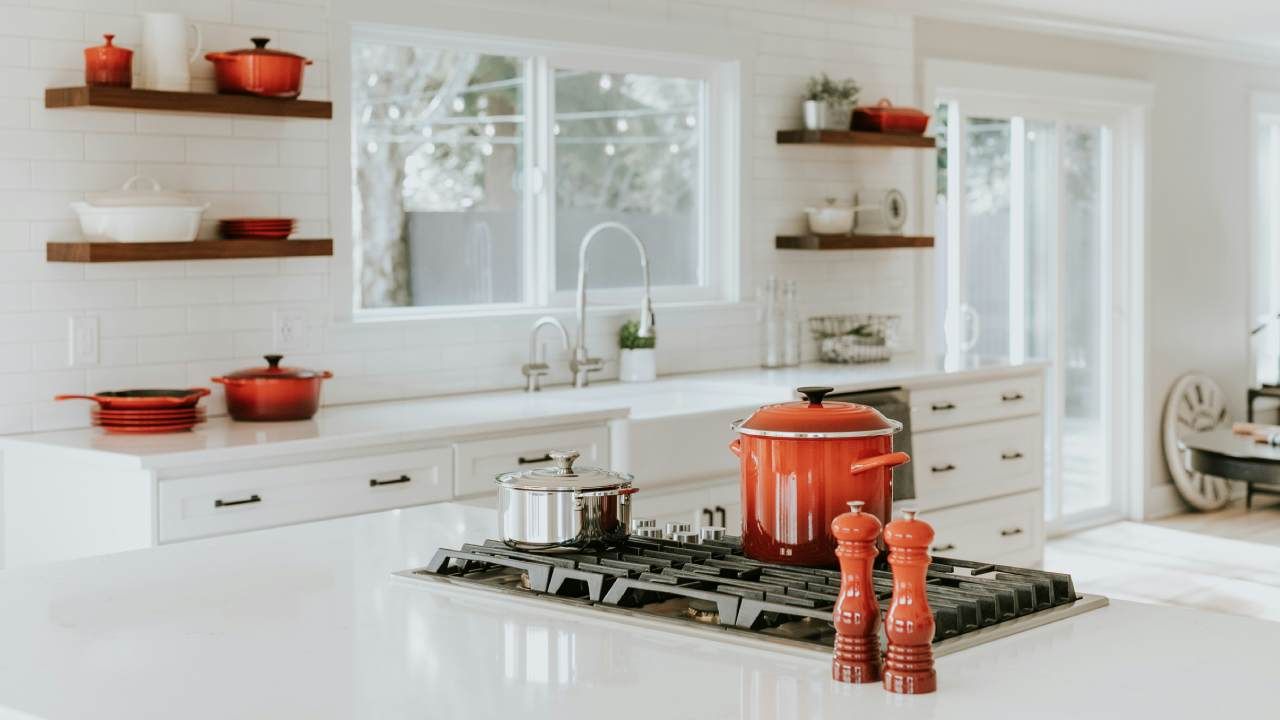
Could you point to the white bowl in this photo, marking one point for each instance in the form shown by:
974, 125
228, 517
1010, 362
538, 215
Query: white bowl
830, 220
139, 223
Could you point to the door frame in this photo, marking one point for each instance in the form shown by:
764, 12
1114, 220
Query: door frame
1126, 106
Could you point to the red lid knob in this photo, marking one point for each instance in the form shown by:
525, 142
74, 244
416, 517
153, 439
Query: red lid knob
908, 532
855, 525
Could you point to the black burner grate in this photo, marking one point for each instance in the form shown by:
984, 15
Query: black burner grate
713, 583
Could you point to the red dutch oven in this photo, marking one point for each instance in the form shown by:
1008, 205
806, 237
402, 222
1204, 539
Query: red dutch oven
273, 393
259, 71
802, 463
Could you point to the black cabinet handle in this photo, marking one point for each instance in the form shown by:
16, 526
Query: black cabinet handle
375, 482
1011, 396
939, 407
943, 548
243, 501
708, 517
1008, 532
1014, 455
942, 468
533, 460
720, 512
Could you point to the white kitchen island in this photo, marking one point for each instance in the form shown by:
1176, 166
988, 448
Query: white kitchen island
307, 621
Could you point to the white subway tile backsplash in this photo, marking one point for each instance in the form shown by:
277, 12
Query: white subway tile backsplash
183, 322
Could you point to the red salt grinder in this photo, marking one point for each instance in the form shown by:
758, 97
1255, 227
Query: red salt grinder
908, 661
856, 614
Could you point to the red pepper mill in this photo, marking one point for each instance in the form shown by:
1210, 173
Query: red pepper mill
908, 661
856, 614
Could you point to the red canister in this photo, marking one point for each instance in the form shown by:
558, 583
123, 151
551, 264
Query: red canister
108, 65
801, 464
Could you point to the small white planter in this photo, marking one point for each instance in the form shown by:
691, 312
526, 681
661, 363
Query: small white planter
638, 365
815, 115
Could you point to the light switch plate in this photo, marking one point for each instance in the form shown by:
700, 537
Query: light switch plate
294, 331
82, 340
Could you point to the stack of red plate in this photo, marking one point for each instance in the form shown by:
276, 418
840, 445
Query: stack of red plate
148, 421
146, 411
260, 228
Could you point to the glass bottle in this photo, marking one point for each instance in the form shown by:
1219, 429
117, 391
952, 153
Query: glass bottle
791, 325
771, 322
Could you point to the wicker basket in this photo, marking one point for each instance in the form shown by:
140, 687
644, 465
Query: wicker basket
854, 338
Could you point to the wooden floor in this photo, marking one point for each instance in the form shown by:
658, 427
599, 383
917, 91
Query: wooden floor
1227, 561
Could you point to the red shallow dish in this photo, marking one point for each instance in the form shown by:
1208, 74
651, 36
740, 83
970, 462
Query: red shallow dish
148, 429
884, 117
142, 399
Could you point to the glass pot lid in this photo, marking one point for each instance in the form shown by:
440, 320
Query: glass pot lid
273, 371
564, 476
813, 418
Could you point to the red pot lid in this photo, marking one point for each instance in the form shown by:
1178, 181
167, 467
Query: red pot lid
884, 107
260, 48
814, 418
273, 371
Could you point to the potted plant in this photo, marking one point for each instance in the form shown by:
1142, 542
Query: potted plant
638, 361
829, 103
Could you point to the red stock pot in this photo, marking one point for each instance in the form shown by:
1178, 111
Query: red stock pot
802, 463
271, 393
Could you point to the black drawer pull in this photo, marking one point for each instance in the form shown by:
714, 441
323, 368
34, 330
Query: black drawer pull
375, 482
939, 407
1015, 455
243, 501
1011, 396
943, 548
708, 517
1009, 532
722, 515
942, 468
534, 460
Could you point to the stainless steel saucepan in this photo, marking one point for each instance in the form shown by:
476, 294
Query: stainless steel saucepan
563, 507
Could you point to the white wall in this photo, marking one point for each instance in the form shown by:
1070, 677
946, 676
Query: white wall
1197, 264
179, 323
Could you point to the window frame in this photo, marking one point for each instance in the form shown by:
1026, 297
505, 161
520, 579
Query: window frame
718, 186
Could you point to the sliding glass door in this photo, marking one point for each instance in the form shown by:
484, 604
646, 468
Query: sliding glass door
1028, 274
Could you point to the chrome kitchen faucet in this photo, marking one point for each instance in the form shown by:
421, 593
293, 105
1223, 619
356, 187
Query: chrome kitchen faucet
537, 365
581, 363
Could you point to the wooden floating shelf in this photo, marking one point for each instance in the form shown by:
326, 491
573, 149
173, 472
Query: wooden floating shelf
852, 242
191, 102
97, 252
853, 137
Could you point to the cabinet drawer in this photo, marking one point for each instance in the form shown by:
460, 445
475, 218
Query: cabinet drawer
975, 462
480, 461
991, 529
975, 402
236, 502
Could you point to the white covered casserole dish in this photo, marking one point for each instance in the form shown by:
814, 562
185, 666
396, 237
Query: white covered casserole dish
131, 214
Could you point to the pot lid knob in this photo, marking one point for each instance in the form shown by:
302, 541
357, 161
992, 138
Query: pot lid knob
260, 42
564, 460
815, 394
273, 360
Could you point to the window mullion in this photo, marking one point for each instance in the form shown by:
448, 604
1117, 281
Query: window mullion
542, 232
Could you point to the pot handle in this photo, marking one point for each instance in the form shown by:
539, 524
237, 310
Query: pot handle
736, 447
888, 460
224, 380
326, 375
75, 397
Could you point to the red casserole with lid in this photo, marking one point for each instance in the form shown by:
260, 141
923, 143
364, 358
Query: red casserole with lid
108, 64
258, 71
801, 464
273, 393
884, 117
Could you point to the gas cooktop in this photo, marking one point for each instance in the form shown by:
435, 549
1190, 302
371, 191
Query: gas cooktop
710, 586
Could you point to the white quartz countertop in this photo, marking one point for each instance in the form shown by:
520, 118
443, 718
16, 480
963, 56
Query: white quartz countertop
346, 426
308, 622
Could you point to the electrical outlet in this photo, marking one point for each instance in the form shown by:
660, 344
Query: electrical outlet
294, 331
82, 340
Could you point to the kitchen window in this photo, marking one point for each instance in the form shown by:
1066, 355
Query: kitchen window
478, 167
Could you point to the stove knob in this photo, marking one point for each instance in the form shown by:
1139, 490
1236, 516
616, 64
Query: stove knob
678, 527
649, 532
637, 523
710, 533
685, 537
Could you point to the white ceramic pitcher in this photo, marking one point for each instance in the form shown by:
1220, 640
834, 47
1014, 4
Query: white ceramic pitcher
166, 62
